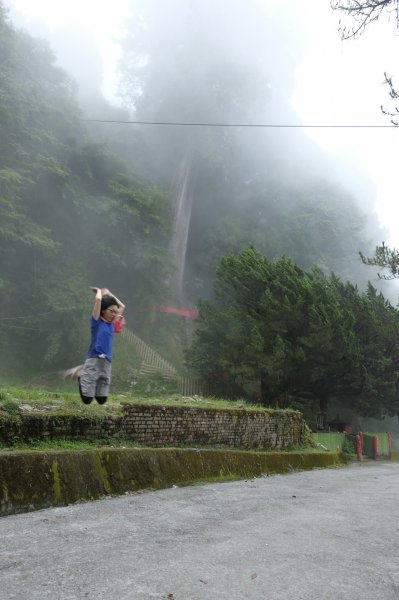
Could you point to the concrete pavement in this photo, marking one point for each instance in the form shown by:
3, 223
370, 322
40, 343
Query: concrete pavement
315, 535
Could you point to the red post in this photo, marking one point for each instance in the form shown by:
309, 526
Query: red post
375, 447
359, 446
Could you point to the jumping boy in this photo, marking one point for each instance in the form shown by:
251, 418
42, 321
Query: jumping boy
106, 319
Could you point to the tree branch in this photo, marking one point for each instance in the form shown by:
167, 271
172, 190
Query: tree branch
363, 12
386, 258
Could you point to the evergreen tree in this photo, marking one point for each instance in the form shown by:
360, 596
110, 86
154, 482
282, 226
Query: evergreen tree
277, 330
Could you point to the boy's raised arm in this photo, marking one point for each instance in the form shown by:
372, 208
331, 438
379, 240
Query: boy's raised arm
97, 303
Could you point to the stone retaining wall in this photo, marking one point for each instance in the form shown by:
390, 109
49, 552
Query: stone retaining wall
166, 426
238, 428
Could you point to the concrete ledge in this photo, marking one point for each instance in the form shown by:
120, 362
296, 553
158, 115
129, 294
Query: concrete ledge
35, 480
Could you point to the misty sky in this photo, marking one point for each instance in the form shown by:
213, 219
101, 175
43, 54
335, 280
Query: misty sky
338, 83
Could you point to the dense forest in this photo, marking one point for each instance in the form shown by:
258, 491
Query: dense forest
72, 213
151, 211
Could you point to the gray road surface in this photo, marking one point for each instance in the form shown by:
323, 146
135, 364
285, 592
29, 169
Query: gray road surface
325, 534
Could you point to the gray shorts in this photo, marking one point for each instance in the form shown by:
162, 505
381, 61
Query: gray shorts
96, 377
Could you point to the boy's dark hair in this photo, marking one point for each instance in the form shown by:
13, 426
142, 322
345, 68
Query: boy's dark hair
108, 301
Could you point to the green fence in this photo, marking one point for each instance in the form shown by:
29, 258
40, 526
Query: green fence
331, 441
347, 443
383, 444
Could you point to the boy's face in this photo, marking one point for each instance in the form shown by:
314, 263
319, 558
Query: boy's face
110, 313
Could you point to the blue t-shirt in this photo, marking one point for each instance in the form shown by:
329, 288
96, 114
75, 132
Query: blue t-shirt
102, 335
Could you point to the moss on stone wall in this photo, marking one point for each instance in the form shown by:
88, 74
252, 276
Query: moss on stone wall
10, 428
60, 478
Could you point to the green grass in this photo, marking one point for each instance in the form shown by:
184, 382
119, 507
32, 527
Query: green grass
43, 401
15, 400
72, 445
54, 445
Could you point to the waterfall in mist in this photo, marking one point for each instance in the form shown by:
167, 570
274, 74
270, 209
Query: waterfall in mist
184, 202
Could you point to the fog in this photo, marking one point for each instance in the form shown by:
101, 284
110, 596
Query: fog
225, 63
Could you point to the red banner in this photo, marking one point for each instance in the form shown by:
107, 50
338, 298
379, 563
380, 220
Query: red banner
182, 312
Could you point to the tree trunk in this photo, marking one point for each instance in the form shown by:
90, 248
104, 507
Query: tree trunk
184, 196
264, 390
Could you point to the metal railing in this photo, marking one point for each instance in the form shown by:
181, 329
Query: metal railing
152, 363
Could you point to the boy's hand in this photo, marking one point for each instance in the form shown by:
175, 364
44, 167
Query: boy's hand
104, 291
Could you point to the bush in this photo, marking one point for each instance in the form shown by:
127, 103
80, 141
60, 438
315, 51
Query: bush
9, 406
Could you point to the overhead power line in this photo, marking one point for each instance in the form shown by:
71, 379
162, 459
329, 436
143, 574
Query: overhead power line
251, 125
